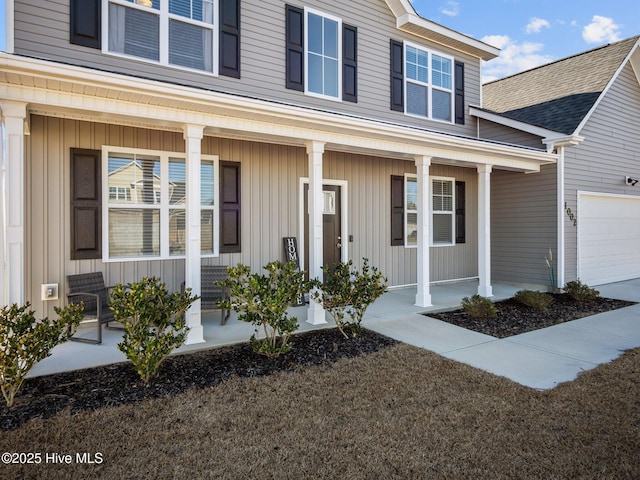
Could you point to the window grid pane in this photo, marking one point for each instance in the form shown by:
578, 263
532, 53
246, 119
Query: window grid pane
323, 56
136, 32
134, 232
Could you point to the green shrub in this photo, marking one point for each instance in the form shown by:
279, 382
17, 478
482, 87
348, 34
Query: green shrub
263, 300
154, 322
25, 341
581, 292
347, 293
479, 307
537, 300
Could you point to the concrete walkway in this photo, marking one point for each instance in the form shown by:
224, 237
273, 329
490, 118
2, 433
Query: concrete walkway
541, 359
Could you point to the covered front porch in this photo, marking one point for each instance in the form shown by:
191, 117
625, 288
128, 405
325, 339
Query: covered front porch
393, 304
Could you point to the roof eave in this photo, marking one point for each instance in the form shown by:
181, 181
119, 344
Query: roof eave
414, 24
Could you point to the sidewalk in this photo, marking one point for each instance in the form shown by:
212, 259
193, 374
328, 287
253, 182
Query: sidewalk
541, 359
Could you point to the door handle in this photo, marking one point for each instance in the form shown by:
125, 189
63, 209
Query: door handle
339, 244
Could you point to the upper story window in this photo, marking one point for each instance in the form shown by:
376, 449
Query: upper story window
426, 83
180, 33
429, 84
323, 54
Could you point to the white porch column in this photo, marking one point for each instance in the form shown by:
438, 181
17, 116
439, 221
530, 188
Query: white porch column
484, 231
193, 143
315, 313
423, 294
12, 208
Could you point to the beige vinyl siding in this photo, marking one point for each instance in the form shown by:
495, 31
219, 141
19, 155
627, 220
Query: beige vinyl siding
610, 152
523, 225
270, 183
42, 31
501, 133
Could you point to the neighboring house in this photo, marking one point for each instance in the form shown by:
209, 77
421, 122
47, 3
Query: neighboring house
346, 126
586, 208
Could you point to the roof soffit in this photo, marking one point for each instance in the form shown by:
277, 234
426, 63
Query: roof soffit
75, 92
409, 21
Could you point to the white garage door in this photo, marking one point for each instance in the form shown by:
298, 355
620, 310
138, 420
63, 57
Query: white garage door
608, 238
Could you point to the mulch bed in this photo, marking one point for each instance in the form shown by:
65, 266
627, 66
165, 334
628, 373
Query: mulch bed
119, 384
514, 318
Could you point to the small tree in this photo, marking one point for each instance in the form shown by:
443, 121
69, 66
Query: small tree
25, 341
347, 293
154, 322
263, 300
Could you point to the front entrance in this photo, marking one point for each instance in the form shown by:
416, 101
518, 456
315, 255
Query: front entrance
331, 225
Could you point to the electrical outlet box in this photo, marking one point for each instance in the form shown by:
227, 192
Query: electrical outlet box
49, 291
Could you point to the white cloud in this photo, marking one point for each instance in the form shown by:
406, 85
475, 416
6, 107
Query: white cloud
451, 8
514, 57
601, 30
536, 25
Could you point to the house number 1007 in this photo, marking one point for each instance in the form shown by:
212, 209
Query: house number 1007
570, 214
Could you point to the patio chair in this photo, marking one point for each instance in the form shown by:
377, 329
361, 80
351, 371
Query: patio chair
210, 293
90, 289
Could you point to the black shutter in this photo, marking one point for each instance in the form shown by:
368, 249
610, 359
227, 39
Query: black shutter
460, 212
349, 63
86, 204
229, 38
459, 80
295, 48
85, 20
397, 76
229, 207
397, 210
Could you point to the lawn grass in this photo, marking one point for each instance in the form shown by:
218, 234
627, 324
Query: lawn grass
399, 413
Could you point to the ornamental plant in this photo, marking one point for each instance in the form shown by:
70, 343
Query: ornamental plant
581, 292
479, 307
347, 293
263, 300
153, 320
25, 341
537, 300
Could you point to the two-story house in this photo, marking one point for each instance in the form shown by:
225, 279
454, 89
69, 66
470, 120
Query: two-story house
346, 126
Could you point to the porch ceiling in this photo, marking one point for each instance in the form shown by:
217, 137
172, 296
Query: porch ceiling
52, 89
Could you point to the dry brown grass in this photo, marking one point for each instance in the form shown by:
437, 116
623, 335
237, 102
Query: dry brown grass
400, 413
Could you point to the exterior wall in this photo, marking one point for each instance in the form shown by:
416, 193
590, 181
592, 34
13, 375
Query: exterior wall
500, 133
270, 189
610, 152
42, 31
523, 225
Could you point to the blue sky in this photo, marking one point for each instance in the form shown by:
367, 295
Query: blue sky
534, 32
529, 32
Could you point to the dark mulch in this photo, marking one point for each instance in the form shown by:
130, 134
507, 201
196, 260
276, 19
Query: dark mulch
119, 384
513, 318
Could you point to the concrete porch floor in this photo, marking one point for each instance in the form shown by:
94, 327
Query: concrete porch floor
540, 359
399, 301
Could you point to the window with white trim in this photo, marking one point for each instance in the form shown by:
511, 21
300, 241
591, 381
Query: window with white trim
323, 53
181, 33
428, 83
442, 208
150, 222
443, 211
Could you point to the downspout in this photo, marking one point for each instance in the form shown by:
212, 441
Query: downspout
560, 220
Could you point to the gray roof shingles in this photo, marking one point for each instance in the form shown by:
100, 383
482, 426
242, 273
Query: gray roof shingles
557, 96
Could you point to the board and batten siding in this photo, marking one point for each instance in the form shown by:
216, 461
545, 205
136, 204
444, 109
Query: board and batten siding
270, 209
610, 151
42, 31
523, 225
